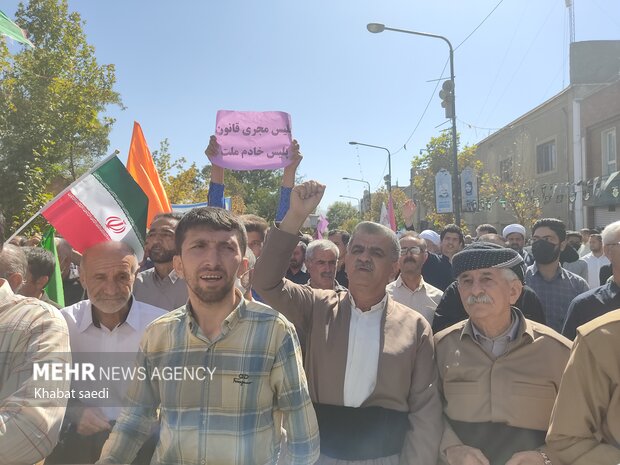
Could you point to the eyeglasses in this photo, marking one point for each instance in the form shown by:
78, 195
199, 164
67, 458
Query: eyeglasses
414, 250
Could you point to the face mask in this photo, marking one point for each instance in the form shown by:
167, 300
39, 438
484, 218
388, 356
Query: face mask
545, 252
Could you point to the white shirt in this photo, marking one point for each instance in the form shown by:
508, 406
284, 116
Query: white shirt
594, 266
360, 376
88, 342
423, 300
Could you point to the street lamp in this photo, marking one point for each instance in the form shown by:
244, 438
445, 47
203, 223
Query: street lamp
358, 200
389, 176
361, 180
375, 28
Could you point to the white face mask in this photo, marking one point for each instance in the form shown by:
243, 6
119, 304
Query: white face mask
243, 283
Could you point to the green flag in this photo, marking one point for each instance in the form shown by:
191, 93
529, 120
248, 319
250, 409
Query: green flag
54, 288
10, 29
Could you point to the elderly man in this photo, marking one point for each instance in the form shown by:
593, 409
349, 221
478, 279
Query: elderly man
369, 360
31, 332
245, 355
321, 263
160, 286
554, 286
499, 371
601, 299
515, 236
585, 424
410, 289
110, 321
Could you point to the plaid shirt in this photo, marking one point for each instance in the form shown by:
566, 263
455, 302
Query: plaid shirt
234, 417
30, 331
557, 294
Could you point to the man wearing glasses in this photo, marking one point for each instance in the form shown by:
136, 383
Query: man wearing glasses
410, 289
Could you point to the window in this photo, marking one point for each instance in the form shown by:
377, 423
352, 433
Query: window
545, 157
608, 145
505, 170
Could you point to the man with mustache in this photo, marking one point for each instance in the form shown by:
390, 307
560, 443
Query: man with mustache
554, 286
499, 372
295, 272
161, 286
321, 262
410, 289
110, 321
369, 360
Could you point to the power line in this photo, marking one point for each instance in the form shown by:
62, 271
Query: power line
478, 26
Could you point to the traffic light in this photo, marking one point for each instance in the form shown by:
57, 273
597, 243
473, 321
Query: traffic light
447, 97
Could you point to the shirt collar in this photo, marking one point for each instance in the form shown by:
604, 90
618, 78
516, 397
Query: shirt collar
173, 276
559, 272
239, 313
89, 318
379, 306
513, 332
400, 283
6, 292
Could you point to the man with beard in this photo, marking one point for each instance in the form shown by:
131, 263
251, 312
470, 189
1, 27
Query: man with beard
161, 285
369, 360
554, 286
111, 321
294, 272
410, 289
341, 239
245, 357
437, 269
515, 239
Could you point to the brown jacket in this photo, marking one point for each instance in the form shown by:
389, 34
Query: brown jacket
585, 424
407, 374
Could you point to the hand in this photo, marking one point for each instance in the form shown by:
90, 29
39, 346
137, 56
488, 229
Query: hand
92, 421
304, 199
217, 172
409, 208
465, 455
529, 457
288, 178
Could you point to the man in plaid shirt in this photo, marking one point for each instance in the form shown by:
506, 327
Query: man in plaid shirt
226, 374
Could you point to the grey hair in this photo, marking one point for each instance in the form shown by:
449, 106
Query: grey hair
368, 227
13, 260
611, 232
510, 275
321, 244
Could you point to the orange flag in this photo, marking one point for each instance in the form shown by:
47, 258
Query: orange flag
141, 167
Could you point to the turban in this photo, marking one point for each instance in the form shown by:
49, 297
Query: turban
487, 255
431, 235
513, 228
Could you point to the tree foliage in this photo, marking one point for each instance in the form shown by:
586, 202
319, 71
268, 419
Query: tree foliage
438, 155
381, 197
341, 214
52, 104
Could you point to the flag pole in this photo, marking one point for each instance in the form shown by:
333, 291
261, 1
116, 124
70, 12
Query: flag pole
63, 192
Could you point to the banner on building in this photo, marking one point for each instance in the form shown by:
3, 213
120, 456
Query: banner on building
469, 190
443, 192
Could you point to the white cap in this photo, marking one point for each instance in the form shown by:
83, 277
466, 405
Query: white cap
431, 235
513, 228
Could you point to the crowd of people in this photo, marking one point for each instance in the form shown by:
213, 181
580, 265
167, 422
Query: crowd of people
369, 347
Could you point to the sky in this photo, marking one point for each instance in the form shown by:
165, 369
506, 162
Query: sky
178, 63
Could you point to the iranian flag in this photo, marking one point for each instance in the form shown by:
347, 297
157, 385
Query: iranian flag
103, 205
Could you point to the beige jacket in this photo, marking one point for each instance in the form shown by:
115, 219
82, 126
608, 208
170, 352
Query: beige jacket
407, 374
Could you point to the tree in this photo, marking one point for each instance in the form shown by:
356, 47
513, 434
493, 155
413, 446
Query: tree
339, 213
438, 155
52, 104
515, 194
381, 197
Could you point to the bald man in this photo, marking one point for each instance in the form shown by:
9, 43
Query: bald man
110, 321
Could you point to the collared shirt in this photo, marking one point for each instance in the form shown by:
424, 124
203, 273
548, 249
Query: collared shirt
168, 293
424, 299
498, 345
30, 331
557, 294
233, 417
590, 305
594, 267
89, 337
360, 376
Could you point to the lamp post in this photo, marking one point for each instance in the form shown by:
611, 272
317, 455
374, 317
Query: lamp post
389, 176
366, 182
375, 28
358, 201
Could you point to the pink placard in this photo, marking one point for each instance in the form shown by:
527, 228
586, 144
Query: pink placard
253, 140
